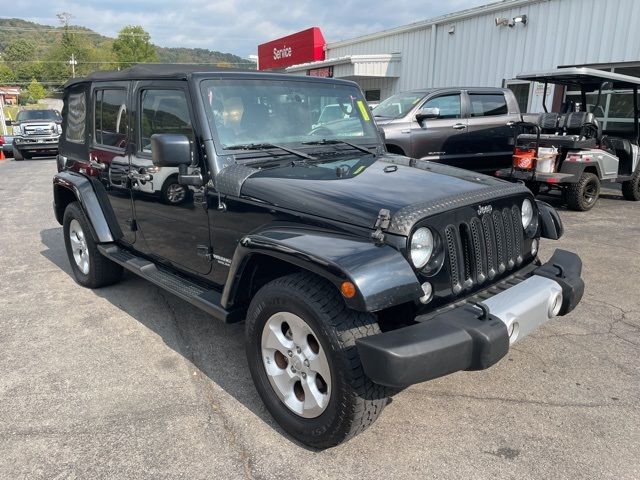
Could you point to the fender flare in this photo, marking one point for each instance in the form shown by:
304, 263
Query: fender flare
84, 191
382, 276
577, 168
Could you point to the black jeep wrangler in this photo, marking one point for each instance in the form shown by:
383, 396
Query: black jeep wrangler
357, 272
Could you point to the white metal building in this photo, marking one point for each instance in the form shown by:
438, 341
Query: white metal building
489, 46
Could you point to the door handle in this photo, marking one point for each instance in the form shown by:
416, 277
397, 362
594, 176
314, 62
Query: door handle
97, 165
405, 131
459, 126
510, 124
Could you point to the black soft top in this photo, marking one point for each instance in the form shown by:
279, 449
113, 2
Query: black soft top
152, 71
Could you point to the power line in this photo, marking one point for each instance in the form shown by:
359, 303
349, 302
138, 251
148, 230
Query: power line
116, 62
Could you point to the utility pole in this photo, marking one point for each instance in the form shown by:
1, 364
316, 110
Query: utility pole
73, 64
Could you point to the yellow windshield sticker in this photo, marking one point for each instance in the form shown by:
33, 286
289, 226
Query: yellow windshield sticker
363, 110
358, 170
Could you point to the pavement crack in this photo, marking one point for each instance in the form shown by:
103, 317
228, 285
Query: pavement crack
522, 401
204, 386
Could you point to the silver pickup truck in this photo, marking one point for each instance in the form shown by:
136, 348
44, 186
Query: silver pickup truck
467, 127
36, 132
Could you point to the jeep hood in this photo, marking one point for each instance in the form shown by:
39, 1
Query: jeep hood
405, 187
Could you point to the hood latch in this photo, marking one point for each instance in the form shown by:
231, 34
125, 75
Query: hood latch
382, 223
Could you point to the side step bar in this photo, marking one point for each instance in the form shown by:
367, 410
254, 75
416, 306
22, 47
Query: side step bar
206, 300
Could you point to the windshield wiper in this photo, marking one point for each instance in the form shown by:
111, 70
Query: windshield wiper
324, 141
268, 146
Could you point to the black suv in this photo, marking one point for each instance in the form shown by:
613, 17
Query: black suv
357, 272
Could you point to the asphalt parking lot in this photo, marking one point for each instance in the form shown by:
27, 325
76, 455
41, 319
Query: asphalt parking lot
130, 382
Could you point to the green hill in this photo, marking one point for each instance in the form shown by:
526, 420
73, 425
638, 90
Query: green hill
44, 61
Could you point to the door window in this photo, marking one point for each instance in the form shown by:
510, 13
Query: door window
111, 120
449, 105
164, 111
488, 104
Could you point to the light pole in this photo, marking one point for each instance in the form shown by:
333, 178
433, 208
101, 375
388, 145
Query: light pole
73, 64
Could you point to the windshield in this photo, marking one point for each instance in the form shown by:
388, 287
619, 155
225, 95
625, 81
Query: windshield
281, 112
52, 115
398, 105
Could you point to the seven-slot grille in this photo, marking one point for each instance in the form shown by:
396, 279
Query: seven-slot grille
484, 247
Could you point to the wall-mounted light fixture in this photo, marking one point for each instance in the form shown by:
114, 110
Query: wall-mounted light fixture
511, 22
452, 29
519, 19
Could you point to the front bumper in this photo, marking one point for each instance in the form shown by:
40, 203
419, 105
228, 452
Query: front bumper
35, 143
473, 336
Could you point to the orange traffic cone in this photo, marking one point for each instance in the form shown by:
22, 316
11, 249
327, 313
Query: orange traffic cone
2, 157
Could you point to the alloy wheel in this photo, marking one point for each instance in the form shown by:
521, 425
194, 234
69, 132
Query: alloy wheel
176, 193
296, 364
79, 246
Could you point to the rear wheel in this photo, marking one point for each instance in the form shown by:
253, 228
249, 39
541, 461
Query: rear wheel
17, 155
583, 195
90, 268
631, 188
300, 340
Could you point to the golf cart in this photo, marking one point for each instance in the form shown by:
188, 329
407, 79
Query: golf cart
569, 150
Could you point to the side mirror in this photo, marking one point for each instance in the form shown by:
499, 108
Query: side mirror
606, 86
426, 113
170, 150
8, 123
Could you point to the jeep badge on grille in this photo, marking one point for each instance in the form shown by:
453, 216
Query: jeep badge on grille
483, 209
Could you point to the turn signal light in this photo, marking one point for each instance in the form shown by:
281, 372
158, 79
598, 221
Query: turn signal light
348, 290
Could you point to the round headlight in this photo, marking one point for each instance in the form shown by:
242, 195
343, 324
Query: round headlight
421, 247
527, 213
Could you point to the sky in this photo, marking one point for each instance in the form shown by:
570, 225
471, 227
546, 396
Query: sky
236, 26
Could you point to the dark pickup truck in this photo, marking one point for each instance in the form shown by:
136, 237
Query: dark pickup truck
470, 127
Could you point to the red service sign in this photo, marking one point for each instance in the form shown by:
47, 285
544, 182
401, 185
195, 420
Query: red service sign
302, 47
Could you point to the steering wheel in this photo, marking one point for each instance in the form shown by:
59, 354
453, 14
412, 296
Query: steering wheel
343, 107
321, 131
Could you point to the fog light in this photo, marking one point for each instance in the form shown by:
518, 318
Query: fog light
427, 289
534, 247
555, 304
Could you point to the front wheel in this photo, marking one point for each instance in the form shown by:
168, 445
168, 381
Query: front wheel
583, 195
631, 188
90, 268
17, 155
300, 342
172, 193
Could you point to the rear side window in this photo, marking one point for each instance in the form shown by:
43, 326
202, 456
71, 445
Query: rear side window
164, 111
76, 116
111, 120
488, 104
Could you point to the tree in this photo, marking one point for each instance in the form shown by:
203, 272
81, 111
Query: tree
36, 90
133, 45
19, 57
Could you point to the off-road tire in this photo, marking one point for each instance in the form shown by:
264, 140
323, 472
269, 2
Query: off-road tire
356, 402
577, 194
17, 155
631, 188
102, 271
